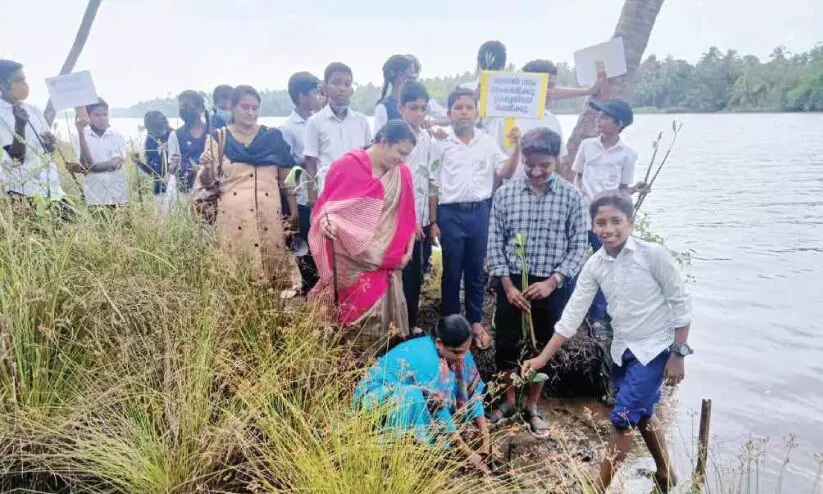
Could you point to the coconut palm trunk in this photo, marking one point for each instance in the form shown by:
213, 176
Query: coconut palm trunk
76, 49
635, 27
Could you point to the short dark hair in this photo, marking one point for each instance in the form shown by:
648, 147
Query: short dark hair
244, 90
155, 118
491, 56
540, 67
222, 92
540, 140
101, 103
336, 67
7, 69
301, 83
193, 96
453, 330
413, 91
396, 130
459, 93
619, 199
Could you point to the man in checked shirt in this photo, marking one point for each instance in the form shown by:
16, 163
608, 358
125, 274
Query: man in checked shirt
550, 213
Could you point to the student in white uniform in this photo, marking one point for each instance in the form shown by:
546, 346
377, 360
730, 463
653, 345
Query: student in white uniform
307, 96
101, 151
334, 130
26, 143
414, 100
606, 163
469, 163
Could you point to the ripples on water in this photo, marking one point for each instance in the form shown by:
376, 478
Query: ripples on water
745, 192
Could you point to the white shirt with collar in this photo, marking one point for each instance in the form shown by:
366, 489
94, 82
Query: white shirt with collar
603, 169
496, 127
328, 138
646, 295
294, 133
419, 162
465, 172
37, 176
104, 188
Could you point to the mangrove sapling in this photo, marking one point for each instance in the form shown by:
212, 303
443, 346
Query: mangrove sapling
527, 324
650, 182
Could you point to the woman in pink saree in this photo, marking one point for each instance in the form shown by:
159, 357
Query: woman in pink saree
365, 218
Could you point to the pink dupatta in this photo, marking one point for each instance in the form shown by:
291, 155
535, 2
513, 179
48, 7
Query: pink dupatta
355, 201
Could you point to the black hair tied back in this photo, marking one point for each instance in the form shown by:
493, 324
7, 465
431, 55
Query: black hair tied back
453, 330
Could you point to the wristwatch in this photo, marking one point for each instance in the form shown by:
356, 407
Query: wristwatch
683, 349
559, 280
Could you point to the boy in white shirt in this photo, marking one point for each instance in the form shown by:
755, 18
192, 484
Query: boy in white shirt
651, 319
101, 152
26, 142
605, 163
334, 130
306, 94
468, 162
414, 102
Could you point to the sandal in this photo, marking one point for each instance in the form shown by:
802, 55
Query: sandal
501, 414
536, 424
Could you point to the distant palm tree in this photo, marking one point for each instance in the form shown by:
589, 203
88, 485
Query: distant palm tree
635, 26
76, 49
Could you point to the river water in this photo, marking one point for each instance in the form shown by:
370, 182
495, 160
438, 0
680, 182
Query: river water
745, 193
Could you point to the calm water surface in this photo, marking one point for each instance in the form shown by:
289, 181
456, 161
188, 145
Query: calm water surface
745, 193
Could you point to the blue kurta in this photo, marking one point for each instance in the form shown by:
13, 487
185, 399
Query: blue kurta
407, 376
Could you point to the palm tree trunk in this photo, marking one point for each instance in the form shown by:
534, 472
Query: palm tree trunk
76, 49
635, 27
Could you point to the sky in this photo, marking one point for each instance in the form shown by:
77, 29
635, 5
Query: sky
141, 49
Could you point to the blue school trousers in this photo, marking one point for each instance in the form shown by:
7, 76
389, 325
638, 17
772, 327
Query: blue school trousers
464, 231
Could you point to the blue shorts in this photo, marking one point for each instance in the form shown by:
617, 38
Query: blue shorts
638, 389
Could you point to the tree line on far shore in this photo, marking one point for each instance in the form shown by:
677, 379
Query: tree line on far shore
716, 82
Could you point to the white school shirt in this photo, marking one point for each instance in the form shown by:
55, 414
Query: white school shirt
466, 172
104, 188
646, 295
37, 176
294, 133
603, 169
419, 162
328, 138
496, 127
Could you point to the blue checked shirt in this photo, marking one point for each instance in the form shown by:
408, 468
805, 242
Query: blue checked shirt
555, 224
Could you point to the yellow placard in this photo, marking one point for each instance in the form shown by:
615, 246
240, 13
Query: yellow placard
484, 93
510, 123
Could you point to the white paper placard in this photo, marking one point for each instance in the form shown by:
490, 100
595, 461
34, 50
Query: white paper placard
513, 94
71, 90
611, 53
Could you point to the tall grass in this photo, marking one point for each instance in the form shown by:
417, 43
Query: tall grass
136, 359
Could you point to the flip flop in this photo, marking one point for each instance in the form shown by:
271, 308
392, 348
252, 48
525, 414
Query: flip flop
540, 430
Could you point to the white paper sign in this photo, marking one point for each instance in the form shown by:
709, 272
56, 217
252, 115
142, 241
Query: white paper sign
509, 94
611, 53
71, 90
